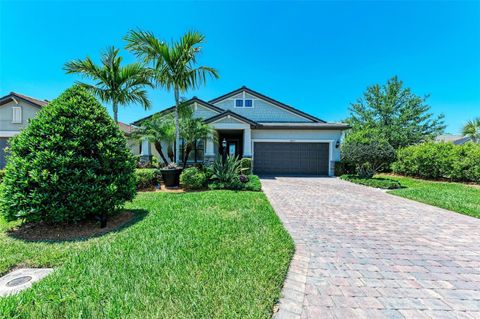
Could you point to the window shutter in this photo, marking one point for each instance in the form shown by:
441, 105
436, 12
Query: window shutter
17, 114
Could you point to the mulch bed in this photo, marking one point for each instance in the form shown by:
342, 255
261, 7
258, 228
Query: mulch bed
62, 232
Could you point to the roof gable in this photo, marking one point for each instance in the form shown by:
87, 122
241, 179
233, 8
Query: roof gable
269, 100
16, 96
230, 114
193, 100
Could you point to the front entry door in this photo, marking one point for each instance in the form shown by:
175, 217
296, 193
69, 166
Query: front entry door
232, 148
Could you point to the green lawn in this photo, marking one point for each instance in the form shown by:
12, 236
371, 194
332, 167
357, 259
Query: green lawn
216, 254
457, 197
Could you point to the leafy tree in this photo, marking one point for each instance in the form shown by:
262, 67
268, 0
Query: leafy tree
173, 65
472, 129
395, 114
113, 83
71, 162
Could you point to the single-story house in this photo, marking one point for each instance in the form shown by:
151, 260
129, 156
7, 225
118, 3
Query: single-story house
15, 111
279, 138
455, 139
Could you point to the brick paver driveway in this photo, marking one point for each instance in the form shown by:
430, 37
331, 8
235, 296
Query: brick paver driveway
362, 253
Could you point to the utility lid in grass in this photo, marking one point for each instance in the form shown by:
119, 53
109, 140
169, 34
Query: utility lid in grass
21, 279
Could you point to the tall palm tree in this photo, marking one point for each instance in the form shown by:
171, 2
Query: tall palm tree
115, 84
472, 130
173, 65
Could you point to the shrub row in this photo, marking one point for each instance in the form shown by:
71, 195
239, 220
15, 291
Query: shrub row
440, 161
372, 182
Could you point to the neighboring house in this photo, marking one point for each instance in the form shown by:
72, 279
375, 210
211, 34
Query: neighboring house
15, 111
455, 139
280, 139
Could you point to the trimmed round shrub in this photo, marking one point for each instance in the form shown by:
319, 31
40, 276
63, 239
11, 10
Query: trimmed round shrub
193, 178
70, 163
147, 178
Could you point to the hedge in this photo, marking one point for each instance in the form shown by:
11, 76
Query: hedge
376, 182
440, 161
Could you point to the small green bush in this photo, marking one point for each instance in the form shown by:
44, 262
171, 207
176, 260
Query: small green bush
253, 184
246, 166
147, 178
440, 161
372, 182
71, 162
368, 157
193, 178
342, 168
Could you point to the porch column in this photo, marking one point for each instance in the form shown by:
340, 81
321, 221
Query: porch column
146, 155
209, 150
247, 142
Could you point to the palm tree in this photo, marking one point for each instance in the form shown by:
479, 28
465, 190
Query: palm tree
472, 129
173, 65
192, 130
113, 83
158, 129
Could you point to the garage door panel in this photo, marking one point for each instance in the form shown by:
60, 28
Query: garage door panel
291, 158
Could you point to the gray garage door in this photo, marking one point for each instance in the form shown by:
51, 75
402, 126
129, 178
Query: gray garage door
290, 158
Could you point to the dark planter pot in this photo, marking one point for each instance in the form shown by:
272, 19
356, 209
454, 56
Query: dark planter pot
171, 177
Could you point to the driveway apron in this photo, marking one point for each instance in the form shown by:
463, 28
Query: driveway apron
362, 253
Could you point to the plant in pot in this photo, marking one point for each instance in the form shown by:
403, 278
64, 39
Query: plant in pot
171, 175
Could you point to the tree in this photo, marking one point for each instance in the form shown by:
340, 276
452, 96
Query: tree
173, 65
158, 129
368, 157
472, 129
192, 130
396, 114
113, 83
70, 163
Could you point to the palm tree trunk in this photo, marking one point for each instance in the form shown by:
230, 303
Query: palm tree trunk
177, 125
158, 147
187, 151
115, 112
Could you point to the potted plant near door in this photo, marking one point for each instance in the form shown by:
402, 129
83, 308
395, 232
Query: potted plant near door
171, 175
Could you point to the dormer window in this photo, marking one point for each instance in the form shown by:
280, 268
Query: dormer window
243, 103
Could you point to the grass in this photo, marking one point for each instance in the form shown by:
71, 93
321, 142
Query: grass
217, 254
456, 197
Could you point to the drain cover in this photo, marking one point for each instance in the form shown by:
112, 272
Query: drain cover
19, 281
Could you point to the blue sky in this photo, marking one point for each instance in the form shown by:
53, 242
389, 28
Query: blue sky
316, 56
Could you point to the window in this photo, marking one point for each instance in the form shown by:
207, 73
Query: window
197, 153
238, 103
16, 114
248, 103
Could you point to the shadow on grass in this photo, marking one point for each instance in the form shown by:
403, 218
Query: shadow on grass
83, 231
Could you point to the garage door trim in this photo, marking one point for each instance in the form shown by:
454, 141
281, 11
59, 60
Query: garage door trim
330, 147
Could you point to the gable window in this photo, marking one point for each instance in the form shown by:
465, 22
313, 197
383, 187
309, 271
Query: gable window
243, 103
16, 114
